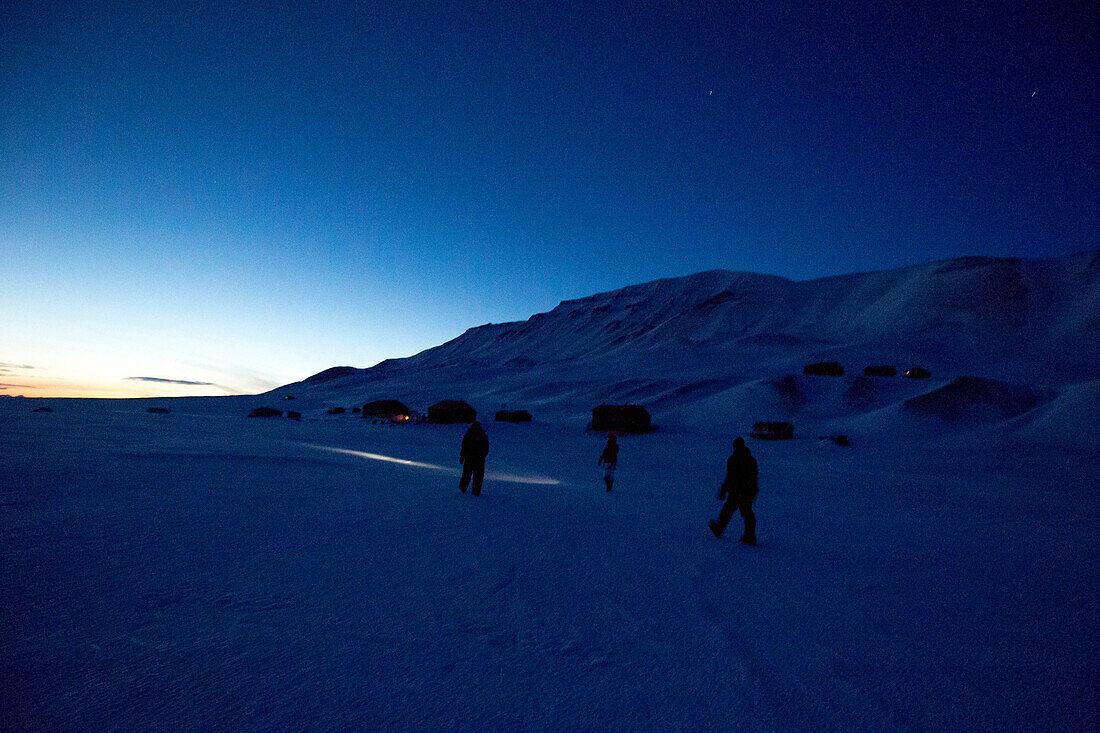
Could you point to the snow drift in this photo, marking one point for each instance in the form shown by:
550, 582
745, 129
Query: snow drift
977, 399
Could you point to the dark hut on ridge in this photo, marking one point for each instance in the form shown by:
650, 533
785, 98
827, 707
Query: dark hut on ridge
824, 368
451, 411
266, 412
621, 418
513, 416
918, 373
772, 430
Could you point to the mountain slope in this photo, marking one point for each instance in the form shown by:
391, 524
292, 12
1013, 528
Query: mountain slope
684, 339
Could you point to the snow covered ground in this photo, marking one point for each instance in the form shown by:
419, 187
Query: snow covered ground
207, 571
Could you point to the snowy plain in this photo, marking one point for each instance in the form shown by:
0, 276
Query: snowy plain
203, 570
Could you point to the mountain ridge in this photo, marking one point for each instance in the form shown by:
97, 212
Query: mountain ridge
1020, 320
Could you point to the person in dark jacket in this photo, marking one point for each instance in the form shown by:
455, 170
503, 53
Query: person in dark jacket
610, 460
475, 446
739, 489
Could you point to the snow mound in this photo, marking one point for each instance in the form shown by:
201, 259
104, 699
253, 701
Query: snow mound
331, 373
734, 408
976, 399
1071, 420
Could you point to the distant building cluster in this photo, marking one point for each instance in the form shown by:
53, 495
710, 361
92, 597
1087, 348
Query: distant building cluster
614, 419
834, 369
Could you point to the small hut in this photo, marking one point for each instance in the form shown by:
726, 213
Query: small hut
159, 410
621, 418
824, 369
918, 373
393, 410
513, 416
294, 415
880, 371
448, 412
336, 411
266, 412
772, 430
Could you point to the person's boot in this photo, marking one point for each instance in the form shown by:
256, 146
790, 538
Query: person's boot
748, 541
608, 482
714, 528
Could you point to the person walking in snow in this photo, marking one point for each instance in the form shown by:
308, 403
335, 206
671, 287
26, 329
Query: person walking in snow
475, 446
739, 489
609, 459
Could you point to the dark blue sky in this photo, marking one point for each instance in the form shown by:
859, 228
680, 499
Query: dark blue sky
276, 189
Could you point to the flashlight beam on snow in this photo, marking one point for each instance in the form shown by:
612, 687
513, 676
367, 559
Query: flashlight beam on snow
380, 457
489, 475
514, 479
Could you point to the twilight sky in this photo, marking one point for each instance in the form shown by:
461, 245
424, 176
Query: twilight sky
223, 197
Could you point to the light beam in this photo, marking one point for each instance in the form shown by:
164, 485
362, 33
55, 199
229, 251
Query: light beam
489, 475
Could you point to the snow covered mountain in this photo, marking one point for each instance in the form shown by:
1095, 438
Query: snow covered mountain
676, 343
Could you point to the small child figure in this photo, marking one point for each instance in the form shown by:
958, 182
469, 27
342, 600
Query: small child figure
610, 459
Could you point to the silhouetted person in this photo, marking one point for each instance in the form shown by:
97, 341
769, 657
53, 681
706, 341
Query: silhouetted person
739, 489
610, 459
475, 446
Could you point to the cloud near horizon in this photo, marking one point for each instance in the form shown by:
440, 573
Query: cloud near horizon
162, 380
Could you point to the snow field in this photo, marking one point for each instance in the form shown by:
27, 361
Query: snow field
202, 571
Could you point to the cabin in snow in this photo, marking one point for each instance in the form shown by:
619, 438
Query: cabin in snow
918, 373
772, 430
392, 410
880, 371
621, 418
266, 412
513, 416
448, 412
824, 368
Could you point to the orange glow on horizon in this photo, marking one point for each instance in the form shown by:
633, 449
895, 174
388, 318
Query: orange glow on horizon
47, 388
